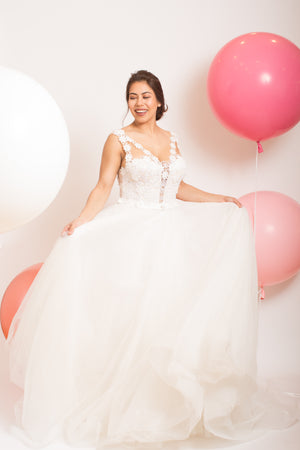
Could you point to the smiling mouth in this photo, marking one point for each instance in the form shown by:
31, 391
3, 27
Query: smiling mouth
141, 112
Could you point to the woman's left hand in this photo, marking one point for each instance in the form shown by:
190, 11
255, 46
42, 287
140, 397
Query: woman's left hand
226, 198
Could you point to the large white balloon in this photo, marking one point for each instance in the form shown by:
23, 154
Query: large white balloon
34, 149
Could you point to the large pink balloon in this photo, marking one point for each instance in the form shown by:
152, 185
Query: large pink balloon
254, 85
14, 295
277, 234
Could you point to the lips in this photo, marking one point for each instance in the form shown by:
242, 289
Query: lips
141, 112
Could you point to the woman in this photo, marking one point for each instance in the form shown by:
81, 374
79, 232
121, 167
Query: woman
146, 103
141, 326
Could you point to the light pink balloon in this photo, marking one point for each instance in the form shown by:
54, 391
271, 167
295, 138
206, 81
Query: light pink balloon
14, 295
254, 85
277, 234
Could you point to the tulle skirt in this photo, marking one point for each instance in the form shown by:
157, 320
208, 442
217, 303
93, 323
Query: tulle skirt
141, 329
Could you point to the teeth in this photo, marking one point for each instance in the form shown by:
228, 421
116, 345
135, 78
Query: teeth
141, 110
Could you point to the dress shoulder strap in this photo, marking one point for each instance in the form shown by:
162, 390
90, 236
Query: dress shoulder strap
122, 138
124, 141
174, 137
121, 134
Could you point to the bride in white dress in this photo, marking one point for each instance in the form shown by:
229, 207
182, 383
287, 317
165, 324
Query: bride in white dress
141, 326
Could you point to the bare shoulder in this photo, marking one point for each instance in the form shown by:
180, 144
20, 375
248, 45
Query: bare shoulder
112, 147
113, 140
164, 133
168, 134
113, 136
127, 128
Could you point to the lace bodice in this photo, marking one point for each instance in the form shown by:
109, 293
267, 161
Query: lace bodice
145, 181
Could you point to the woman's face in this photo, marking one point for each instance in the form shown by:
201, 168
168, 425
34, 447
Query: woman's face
142, 101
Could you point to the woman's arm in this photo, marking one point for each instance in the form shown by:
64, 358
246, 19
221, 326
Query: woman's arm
190, 193
110, 163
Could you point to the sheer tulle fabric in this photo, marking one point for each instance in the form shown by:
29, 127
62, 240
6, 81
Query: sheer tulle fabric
141, 327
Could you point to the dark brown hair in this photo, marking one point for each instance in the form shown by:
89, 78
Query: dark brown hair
154, 83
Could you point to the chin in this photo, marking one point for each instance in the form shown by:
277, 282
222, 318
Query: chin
142, 119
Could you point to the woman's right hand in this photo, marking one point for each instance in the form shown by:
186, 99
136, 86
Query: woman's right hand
70, 227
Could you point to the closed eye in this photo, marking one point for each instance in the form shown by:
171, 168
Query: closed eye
133, 98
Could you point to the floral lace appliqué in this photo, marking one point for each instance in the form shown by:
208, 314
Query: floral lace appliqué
146, 181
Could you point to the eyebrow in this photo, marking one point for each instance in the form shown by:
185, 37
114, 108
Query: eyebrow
147, 92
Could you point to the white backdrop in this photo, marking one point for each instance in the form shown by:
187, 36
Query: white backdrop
83, 52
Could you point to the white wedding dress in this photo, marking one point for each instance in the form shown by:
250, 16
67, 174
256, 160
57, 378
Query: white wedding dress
141, 327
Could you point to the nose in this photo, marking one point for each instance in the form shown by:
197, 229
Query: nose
139, 101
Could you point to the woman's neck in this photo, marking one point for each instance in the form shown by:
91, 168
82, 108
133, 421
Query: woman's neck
149, 128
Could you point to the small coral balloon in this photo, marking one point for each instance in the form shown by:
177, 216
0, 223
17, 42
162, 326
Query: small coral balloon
277, 236
34, 149
254, 85
14, 294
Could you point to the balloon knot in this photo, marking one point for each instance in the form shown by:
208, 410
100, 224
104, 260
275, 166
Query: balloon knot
259, 147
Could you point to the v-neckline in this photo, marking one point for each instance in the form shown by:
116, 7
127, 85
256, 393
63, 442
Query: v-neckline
138, 145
